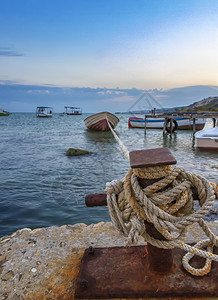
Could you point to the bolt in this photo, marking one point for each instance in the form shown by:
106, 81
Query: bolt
91, 250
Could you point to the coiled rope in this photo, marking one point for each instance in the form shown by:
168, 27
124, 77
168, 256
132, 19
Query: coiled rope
167, 204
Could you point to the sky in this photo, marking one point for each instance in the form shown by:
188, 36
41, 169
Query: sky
102, 54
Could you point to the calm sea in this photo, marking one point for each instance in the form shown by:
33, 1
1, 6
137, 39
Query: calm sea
40, 186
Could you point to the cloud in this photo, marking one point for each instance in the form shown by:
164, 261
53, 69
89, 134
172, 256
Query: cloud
94, 99
112, 92
161, 96
105, 92
38, 91
6, 51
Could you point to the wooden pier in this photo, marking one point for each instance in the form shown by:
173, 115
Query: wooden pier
170, 119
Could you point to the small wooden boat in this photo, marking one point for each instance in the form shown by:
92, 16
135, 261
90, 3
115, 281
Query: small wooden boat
4, 113
207, 139
71, 110
44, 112
100, 121
158, 123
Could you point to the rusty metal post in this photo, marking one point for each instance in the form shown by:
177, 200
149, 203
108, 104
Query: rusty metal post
161, 260
141, 271
92, 200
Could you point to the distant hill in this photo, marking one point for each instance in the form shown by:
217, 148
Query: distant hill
208, 104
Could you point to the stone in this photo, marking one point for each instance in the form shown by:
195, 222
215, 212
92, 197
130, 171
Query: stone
7, 276
33, 270
4, 240
2, 259
76, 152
62, 244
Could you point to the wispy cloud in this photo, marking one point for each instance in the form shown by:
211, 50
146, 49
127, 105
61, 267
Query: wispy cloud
6, 51
161, 96
111, 92
42, 91
30, 96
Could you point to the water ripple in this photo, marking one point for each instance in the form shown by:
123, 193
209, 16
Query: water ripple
41, 186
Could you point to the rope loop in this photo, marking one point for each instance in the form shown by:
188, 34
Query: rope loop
114, 187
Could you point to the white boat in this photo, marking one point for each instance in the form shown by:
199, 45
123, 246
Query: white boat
71, 110
207, 139
44, 112
158, 123
100, 121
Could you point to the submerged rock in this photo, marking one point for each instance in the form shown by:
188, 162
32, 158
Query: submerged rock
76, 152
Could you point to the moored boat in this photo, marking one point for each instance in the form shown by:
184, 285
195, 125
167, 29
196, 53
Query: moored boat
44, 111
71, 110
158, 123
207, 139
100, 121
4, 113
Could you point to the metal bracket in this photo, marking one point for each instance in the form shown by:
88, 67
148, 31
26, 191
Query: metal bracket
125, 272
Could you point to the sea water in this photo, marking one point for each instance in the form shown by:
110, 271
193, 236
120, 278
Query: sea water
41, 186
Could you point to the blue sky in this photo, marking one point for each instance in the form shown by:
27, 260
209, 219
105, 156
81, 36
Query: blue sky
97, 44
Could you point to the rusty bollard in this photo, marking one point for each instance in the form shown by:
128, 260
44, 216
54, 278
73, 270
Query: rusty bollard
160, 259
140, 271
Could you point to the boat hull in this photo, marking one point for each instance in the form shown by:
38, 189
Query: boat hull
183, 123
4, 114
44, 115
207, 144
99, 122
207, 139
73, 114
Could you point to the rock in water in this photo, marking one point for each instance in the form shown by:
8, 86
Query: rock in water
76, 152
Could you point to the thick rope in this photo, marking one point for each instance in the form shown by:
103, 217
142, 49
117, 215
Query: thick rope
122, 146
171, 211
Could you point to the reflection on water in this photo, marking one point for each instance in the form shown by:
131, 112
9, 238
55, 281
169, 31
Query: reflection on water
170, 140
41, 186
105, 137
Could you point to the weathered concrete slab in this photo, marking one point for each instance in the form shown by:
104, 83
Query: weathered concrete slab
44, 263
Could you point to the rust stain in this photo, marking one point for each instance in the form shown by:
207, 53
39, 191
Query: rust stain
146, 252
61, 284
111, 273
